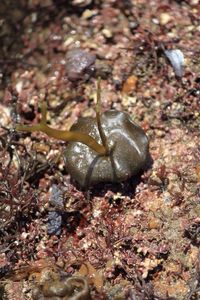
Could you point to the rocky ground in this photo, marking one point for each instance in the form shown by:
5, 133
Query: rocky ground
135, 240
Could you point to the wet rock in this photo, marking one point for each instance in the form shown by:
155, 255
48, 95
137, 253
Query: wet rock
79, 64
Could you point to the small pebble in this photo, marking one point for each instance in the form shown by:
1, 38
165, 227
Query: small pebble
176, 59
79, 64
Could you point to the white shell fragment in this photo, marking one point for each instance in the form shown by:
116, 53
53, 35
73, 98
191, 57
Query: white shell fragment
176, 58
